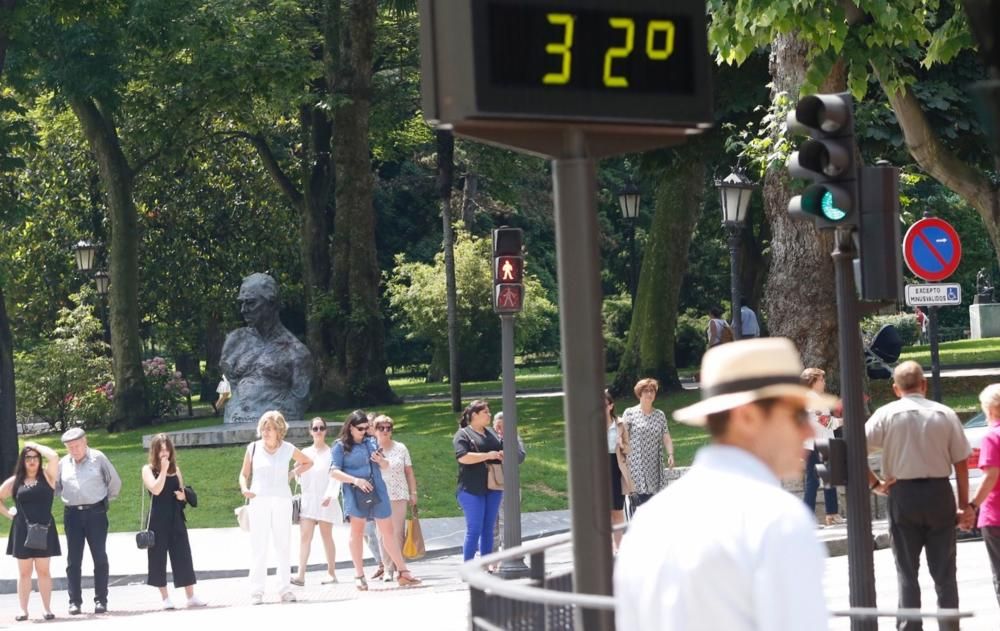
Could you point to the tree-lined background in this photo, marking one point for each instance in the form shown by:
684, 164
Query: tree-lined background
202, 140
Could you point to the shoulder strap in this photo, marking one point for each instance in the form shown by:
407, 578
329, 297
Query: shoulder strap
142, 506
471, 439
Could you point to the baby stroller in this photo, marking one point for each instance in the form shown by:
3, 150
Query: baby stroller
882, 351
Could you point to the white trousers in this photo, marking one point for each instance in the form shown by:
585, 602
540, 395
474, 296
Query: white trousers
270, 522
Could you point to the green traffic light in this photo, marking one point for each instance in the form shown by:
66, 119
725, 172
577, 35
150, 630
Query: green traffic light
830, 212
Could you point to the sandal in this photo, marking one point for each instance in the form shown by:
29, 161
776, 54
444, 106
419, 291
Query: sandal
361, 583
379, 572
406, 579
21, 618
50, 616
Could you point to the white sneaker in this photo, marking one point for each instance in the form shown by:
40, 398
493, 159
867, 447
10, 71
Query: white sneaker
167, 604
194, 601
256, 599
288, 597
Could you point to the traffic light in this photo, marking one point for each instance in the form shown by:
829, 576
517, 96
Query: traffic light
879, 264
827, 159
832, 467
508, 270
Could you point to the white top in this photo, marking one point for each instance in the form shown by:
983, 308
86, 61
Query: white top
316, 483
725, 547
223, 387
821, 431
269, 476
612, 437
748, 322
395, 476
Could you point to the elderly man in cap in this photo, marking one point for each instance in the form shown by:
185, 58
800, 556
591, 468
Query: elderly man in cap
921, 442
726, 547
87, 481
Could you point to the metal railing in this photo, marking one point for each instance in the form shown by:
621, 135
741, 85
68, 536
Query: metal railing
546, 601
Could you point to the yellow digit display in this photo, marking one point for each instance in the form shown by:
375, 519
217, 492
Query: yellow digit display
660, 26
563, 49
619, 52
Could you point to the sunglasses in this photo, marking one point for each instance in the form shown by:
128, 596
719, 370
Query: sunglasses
360, 428
318, 429
34, 457
383, 428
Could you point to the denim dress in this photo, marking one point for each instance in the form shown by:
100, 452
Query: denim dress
357, 462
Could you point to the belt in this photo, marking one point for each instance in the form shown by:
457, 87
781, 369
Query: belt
923, 480
86, 506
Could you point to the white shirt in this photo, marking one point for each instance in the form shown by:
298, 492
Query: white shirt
269, 472
725, 547
395, 476
748, 322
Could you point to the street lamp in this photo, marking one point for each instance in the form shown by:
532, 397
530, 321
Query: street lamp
734, 192
85, 253
102, 281
628, 201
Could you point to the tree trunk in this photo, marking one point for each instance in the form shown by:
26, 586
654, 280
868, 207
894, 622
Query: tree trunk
213, 355
8, 408
649, 348
130, 407
359, 334
445, 180
926, 147
469, 192
799, 295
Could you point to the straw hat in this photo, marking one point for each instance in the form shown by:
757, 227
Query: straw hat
742, 372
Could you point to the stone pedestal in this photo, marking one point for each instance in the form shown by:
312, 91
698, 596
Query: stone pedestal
984, 320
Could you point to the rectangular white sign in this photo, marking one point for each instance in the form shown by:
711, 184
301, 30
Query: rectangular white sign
933, 294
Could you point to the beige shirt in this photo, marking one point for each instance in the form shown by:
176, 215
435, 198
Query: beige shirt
919, 438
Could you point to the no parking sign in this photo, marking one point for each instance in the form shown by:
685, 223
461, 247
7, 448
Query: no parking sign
932, 249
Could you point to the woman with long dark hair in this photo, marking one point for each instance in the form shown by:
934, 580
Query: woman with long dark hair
358, 463
477, 446
32, 487
163, 479
621, 482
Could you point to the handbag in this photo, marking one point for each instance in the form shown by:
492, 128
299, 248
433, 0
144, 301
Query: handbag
297, 504
146, 538
243, 512
413, 547
37, 537
366, 499
494, 470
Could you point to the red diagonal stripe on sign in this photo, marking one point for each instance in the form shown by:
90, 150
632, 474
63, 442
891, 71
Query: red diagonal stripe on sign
930, 246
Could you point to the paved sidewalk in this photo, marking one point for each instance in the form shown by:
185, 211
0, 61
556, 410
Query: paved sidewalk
225, 552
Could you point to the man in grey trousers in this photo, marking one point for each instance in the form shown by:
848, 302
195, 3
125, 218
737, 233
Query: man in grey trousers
921, 441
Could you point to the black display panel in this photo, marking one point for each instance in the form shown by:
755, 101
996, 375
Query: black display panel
641, 61
613, 50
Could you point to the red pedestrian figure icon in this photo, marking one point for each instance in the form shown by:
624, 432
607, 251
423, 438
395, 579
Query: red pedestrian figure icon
510, 298
508, 270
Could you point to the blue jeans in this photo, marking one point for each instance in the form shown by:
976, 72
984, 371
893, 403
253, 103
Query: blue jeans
480, 514
812, 486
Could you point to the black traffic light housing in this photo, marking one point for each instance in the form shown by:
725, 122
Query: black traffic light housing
827, 159
508, 270
832, 467
880, 262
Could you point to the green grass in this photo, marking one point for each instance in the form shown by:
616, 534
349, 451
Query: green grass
412, 387
426, 429
961, 352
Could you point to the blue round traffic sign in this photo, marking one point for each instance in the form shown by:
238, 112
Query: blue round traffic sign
932, 249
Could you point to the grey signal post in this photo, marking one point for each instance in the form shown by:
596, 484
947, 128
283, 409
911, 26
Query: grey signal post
573, 124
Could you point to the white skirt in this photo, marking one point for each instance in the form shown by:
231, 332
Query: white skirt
312, 508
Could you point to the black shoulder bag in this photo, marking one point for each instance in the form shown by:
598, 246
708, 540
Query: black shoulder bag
146, 538
363, 500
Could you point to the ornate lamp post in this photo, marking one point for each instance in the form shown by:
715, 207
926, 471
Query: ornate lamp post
734, 192
101, 282
85, 253
628, 201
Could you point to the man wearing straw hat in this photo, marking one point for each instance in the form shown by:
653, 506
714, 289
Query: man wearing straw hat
726, 547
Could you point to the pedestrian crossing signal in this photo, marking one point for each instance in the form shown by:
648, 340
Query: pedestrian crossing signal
508, 298
508, 269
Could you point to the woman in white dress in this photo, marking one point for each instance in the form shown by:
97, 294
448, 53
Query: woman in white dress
317, 509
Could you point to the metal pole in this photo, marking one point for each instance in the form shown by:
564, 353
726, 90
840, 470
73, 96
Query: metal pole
510, 568
860, 561
932, 319
575, 187
734, 278
633, 273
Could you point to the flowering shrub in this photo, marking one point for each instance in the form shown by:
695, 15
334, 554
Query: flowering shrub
165, 389
57, 380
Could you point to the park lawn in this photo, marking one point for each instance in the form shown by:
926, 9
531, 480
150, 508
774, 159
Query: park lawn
425, 428
985, 351
415, 387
